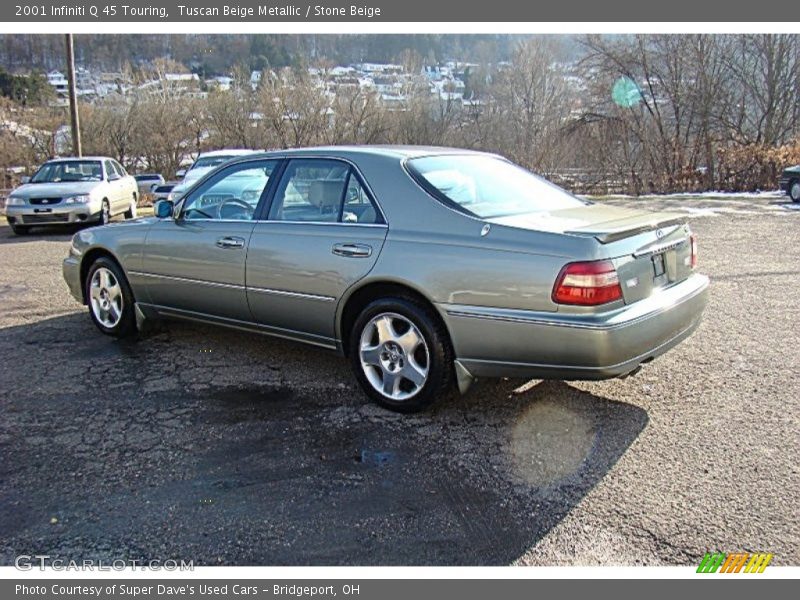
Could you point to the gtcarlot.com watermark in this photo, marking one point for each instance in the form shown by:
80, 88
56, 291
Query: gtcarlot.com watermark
29, 562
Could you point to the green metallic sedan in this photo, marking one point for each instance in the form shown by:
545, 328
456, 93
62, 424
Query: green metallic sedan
790, 182
426, 267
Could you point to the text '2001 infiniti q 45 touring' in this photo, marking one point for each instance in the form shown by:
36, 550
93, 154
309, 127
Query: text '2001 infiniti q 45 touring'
425, 267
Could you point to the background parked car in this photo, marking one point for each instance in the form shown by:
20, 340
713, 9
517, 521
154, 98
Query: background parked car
205, 162
162, 191
146, 181
72, 190
790, 182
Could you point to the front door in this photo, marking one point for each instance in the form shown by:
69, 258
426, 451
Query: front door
195, 263
322, 234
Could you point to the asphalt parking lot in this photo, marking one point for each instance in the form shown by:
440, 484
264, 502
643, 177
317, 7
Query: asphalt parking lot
220, 447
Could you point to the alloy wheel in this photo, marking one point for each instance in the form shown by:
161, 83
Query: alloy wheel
105, 295
394, 356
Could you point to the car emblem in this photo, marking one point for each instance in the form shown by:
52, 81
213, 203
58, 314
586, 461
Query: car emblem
45, 201
659, 233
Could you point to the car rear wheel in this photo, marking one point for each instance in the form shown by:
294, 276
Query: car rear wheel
131, 212
401, 355
110, 299
20, 229
794, 190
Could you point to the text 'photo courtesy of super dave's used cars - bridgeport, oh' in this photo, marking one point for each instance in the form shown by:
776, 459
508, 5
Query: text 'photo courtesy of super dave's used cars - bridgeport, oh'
426, 267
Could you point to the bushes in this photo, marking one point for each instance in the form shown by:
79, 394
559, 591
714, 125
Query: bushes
754, 167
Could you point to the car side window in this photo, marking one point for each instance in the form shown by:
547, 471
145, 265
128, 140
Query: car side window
321, 191
310, 190
230, 195
358, 207
119, 169
111, 173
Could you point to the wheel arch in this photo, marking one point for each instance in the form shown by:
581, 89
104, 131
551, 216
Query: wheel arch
357, 297
88, 259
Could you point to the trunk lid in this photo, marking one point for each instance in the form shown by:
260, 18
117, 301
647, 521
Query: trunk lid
650, 250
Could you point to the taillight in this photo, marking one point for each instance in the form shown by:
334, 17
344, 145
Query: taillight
587, 284
693, 244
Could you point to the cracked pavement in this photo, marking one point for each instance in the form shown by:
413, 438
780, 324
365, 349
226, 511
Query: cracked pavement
221, 447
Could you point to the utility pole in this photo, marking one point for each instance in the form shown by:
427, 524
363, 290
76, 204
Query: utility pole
73, 98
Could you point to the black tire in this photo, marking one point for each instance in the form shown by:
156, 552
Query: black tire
105, 213
129, 214
440, 376
794, 190
126, 326
20, 229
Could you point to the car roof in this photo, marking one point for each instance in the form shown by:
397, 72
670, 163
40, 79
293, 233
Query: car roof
231, 152
69, 158
392, 151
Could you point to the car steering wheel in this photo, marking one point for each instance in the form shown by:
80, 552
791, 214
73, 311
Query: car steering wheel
249, 211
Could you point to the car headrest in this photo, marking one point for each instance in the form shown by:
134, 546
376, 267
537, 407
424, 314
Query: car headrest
325, 194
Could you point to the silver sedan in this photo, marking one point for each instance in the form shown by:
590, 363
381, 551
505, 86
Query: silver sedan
425, 267
72, 191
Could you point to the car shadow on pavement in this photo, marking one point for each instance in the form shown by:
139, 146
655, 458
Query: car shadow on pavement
264, 452
59, 233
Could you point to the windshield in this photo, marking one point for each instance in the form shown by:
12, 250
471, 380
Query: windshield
488, 187
69, 170
206, 162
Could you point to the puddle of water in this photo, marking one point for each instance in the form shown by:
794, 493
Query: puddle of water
549, 442
375, 458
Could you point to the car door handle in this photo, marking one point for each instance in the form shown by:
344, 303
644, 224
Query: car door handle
230, 242
352, 250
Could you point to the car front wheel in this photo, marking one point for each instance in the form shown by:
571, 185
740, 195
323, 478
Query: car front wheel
794, 191
20, 229
110, 299
401, 355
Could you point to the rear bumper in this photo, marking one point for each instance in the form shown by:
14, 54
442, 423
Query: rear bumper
70, 214
492, 342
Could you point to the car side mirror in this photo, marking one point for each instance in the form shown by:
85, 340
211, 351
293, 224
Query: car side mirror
25, 179
180, 173
164, 209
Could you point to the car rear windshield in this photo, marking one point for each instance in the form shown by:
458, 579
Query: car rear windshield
69, 170
488, 186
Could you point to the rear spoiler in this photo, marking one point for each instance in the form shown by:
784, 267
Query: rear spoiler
617, 230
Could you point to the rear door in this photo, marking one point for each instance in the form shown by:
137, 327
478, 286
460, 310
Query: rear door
195, 263
322, 233
114, 187
127, 184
